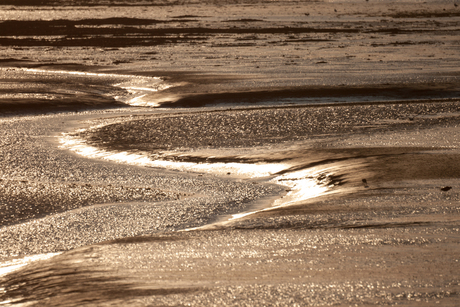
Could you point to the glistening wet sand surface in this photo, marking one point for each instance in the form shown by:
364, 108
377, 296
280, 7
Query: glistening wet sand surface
243, 153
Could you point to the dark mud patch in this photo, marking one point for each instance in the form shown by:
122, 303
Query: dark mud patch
124, 2
257, 127
125, 32
12, 106
187, 16
145, 239
405, 43
444, 14
244, 20
383, 92
12, 63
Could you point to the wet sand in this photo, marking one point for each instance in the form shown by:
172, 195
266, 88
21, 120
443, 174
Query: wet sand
364, 98
391, 241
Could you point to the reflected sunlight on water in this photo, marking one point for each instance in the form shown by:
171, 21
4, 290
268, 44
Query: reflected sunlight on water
13, 265
303, 184
246, 170
83, 73
137, 87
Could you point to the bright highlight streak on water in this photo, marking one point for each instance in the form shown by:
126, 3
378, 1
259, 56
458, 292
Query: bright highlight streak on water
304, 184
138, 86
83, 73
15, 264
240, 169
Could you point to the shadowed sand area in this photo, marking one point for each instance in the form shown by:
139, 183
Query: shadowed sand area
229, 153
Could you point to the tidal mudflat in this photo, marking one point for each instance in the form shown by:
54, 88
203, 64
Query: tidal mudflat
229, 153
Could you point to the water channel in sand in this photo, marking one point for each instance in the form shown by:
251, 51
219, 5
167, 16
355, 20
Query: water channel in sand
310, 176
303, 184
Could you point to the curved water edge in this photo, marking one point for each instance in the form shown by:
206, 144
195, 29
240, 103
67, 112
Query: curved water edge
58, 89
302, 184
136, 86
99, 88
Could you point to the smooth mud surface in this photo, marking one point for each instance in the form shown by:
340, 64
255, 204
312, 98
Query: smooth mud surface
229, 153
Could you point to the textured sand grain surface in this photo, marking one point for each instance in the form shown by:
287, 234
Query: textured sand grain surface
361, 98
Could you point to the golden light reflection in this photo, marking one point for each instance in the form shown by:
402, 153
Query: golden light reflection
304, 184
137, 87
83, 73
15, 264
244, 170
